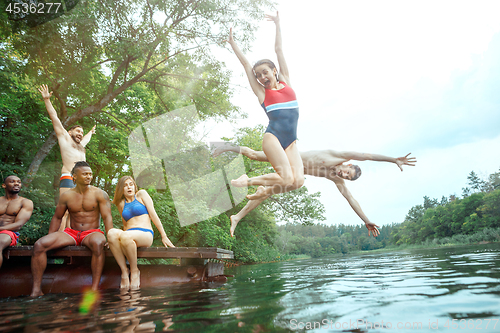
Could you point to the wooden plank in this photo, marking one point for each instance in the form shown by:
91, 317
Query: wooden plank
150, 252
18, 251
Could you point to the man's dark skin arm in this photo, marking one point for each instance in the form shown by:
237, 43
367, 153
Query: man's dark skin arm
61, 208
21, 218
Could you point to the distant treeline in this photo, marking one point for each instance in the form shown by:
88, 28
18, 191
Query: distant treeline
478, 209
471, 219
320, 240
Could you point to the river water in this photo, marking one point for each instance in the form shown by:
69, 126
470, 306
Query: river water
447, 289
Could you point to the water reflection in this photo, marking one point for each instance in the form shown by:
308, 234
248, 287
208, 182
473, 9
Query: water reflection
421, 287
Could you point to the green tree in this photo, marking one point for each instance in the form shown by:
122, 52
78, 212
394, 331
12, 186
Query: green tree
297, 205
494, 180
476, 183
21, 122
106, 56
490, 209
467, 217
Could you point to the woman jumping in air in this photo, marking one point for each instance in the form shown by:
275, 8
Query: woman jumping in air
277, 97
137, 211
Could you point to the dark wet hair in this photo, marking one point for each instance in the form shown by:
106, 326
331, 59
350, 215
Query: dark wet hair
75, 126
358, 172
79, 164
267, 62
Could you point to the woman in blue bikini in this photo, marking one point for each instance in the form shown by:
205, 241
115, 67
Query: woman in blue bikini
278, 99
137, 211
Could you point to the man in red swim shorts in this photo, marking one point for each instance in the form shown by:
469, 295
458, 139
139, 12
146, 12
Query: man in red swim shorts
85, 204
79, 236
15, 211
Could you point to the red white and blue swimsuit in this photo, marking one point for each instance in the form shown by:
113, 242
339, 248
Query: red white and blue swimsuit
282, 110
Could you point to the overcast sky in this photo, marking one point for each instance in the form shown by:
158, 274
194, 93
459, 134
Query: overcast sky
388, 77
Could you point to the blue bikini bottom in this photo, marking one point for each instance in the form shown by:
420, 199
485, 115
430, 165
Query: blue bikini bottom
142, 229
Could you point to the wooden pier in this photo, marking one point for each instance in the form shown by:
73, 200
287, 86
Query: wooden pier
148, 252
73, 273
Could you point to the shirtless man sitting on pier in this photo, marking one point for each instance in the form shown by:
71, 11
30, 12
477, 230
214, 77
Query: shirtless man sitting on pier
320, 163
15, 211
85, 204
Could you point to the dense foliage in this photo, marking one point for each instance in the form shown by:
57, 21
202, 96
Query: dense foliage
117, 64
479, 209
320, 240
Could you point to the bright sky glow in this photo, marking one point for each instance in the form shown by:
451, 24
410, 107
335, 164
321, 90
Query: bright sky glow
388, 77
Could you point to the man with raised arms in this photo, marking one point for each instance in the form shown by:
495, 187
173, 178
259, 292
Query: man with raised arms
15, 211
85, 204
71, 142
320, 163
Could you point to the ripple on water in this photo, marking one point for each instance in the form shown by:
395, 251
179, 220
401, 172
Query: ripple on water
398, 288
417, 286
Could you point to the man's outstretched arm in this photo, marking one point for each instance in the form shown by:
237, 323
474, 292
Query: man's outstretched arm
399, 161
372, 227
88, 136
58, 127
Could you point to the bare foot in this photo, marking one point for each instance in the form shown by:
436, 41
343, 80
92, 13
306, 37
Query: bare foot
240, 182
36, 293
135, 280
234, 223
219, 150
125, 282
225, 147
260, 194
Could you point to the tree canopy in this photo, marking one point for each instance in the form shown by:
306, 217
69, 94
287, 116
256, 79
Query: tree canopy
122, 62
476, 211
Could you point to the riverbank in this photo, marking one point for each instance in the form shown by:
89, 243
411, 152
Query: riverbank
422, 247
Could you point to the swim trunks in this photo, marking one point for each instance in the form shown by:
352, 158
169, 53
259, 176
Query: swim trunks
66, 181
13, 235
133, 209
142, 229
282, 110
79, 236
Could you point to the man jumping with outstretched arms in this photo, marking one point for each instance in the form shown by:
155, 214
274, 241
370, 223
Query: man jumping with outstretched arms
71, 142
319, 163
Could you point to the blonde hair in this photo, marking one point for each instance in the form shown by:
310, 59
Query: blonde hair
119, 189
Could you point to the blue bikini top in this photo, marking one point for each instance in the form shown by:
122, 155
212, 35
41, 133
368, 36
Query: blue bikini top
133, 209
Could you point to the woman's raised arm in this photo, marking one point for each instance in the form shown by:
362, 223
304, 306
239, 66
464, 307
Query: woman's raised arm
278, 47
257, 88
